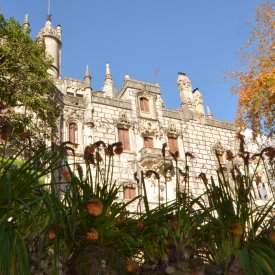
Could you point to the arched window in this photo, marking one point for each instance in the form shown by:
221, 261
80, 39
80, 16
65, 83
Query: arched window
73, 132
144, 104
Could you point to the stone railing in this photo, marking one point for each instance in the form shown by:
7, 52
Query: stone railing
151, 158
112, 102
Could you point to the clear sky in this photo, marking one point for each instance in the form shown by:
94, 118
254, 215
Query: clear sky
151, 40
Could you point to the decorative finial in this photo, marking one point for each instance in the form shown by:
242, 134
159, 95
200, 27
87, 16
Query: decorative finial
49, 17
87, 71
108, 87
108, 71
26, 23
209, 114
88, 77
49, 11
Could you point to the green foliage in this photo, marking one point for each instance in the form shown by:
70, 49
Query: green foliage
234, 227
24, 82
21, 209
78, 221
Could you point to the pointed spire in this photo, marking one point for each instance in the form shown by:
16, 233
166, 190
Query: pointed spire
209, 114
26, 24
108, 71
88, 77
108, 87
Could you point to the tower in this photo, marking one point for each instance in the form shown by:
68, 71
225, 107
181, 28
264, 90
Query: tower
51, 38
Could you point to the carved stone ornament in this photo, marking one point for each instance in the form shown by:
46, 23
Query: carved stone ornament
149, 127
74, 114
129, 183
172, 131
122, 122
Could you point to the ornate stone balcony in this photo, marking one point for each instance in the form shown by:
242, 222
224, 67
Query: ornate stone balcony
151, 158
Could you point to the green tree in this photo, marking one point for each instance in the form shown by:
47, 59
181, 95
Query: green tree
28, 97
255, 85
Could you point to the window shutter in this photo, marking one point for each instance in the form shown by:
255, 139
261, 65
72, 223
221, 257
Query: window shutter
129, 192
73, 132
144, 104
123, 136
148, 142
173, 144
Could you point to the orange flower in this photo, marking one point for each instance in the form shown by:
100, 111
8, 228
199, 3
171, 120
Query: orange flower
65, 174
132, 266
95, 207
237, 229
89, 150
109, 152
229, 155
98, 157
118, 150
119, 222
140, 225
270, 153
92, 235
51, 234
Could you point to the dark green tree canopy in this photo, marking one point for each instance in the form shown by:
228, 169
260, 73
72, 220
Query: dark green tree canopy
28, 97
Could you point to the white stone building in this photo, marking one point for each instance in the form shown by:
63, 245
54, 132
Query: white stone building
136, 116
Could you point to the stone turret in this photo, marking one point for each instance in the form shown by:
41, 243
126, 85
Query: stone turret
108, 88
185, 90
198, 102
52, 39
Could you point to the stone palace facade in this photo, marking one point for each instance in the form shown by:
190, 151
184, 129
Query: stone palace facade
137, 116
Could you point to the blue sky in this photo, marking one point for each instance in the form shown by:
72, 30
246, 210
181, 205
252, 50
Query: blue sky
198, 37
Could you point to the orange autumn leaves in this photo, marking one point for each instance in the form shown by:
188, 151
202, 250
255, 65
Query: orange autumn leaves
256, 85
257, 102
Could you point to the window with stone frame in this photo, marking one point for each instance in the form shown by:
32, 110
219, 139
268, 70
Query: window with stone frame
173, 144
73, 132
124, 138
129, 192
144, 104
148, 142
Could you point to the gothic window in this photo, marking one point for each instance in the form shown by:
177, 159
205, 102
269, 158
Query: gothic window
123, 136
173, 144
148, 142
73, 133
144, 104
129, 193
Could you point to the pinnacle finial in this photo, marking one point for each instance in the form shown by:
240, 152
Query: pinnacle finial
87, 71
108, 87
209, 114
88, 77
26, 24
108, 71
